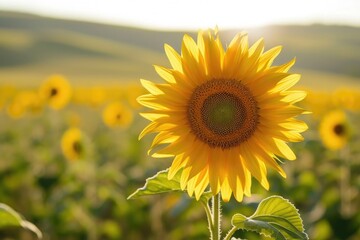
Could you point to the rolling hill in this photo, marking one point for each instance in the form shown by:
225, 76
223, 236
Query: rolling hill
33, 47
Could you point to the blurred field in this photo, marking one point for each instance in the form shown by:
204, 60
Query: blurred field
86, 198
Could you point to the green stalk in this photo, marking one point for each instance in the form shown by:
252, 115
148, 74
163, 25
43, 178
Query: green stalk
230, 233
216, 213
209, 217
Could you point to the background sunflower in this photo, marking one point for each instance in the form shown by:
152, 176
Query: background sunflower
116, 114
56, 91
335, 130
73, 144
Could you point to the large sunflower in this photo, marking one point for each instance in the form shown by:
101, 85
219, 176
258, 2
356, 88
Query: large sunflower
224, 115
334, 130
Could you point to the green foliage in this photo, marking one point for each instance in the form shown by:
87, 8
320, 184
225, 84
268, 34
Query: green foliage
275, 217
10, 218
88, 199
158, 184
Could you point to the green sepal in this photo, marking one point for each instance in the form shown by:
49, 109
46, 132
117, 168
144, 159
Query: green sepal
10, 218
275, 217
205, 197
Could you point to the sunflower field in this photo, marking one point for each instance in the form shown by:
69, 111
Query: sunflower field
71, 157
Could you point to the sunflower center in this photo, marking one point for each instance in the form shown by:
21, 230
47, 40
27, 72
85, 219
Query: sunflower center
222, 113
339, 129
77, 147
53, 92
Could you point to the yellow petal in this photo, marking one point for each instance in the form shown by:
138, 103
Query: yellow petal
163, 138
233, 57
148, 129
201, 181
174, 57
268, 57
214, 179
256, 50
269, 159
151, 87
285, 149
153, 116
237, 188
184, 179
285, 67
176, 165
226, 191
198, 159
294, 96
247, 174
295, 125
276, 146
286, 83
151, 102
257, 168
165, 73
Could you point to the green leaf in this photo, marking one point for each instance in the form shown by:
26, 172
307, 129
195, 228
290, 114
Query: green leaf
158, 184
10, 218
275, 217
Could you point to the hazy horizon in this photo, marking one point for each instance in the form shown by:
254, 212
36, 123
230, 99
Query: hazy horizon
193, 15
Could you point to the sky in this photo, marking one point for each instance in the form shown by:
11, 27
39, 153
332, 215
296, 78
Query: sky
195, 14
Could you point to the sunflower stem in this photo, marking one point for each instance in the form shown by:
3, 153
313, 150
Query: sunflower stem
345, 188
209, 217
230, 233
216, 213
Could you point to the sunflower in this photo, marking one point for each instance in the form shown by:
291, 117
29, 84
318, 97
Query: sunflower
223, 114
97, 96
6, 92
72, 144
16, 110
56, 91
24, 102
32, 102
116, 114
346, 98
334, 130
318, 103
93, 96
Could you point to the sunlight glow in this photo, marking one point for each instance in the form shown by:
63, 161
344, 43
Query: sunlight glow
195, 14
